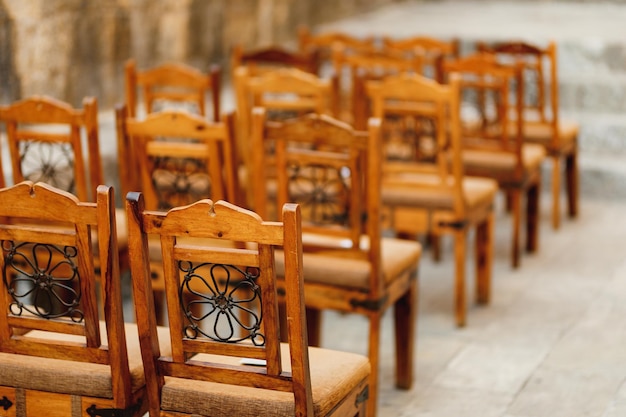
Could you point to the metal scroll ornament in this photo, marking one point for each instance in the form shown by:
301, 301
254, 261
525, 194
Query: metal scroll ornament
42, 279
410, 139
322, 192
52, 163
180, 181
221, 302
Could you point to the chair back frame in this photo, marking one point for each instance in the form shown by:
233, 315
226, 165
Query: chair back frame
45, 134
185, 148
221, 221
172, 82
34, 206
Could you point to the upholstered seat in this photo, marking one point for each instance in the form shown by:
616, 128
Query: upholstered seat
476, 191
326, 265
333, 375
61, 376
502, 166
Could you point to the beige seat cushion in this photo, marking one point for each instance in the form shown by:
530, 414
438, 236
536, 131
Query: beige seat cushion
501, 165
341, 268
333, 375
477, 192
74, 378
542, 133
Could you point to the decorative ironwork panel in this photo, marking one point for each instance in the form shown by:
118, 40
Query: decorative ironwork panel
221, 302
42, 279
52, 163
180, 181
322, 192
410, 139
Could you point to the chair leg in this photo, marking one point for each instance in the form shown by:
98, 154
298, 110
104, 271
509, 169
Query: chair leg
314, 326
532, 217
460, 303
374, 355
556, 192
405, 312
484, 259
434, 241
571, 170
516, 206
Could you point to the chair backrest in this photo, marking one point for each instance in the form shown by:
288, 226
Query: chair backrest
488, 118
176, 158
432, 50
363, 67
50, 141
323, 44
540, 76
421, 134
272, 57
172, 83
333, 172
227, 282
42, 265
284, 93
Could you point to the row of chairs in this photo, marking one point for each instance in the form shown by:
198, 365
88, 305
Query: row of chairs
374, 272
86, 360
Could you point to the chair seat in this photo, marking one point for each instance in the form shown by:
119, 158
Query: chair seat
56, 375
542, 133
346, 268
333, 376
499, 165
477, 192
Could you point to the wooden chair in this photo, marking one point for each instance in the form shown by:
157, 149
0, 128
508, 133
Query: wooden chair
178, 159
62, 360
432, 50
541, 121
493, 146
285, 93
334, 173
368, 66
323, 44
173, 83
423, 173
50, 141
218, 365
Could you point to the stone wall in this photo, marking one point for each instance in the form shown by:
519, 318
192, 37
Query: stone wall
72, 48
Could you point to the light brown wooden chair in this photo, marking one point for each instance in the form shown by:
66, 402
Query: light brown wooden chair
542, 123
178, 158
57, 357
322, 44
50, 141
219, 365
369, 66
285, 93
423, 174
432, 50
172, 84
333, 172
493, 146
